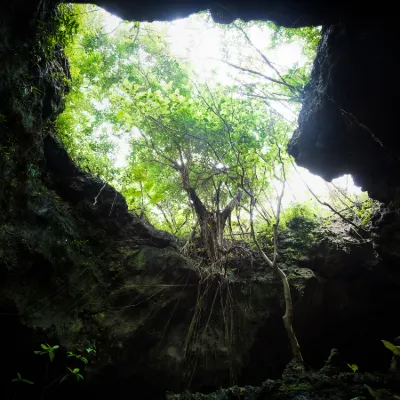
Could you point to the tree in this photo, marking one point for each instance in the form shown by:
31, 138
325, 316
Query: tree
273, 262
193, 136
190, 145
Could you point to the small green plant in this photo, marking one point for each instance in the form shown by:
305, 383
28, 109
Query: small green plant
353, 367
365, 210
78, 357
19, 379
396, 353
72, 372
47, 349
91, 348
394, 349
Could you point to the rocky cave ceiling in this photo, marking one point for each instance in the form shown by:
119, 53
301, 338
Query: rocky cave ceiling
290, 13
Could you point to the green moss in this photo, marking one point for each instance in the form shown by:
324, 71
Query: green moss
128, 251
59, 30
296, 387
140, 260
76, 326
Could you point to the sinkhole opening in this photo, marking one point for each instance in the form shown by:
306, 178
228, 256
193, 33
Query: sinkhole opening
192, 118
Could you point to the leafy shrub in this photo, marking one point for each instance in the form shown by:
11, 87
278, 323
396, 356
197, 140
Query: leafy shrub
298, 211
365, 211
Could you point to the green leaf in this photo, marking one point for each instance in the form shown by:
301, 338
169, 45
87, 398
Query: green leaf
21, 380
28, 382
90, 350
394, 349
120, 115
372, 392
51, 356
55, 347
44, 347
353, 367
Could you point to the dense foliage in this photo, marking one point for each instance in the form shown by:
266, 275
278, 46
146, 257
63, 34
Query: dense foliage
182, 146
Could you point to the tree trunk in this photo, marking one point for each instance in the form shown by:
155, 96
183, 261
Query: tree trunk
209, 236
212, 224
288, 317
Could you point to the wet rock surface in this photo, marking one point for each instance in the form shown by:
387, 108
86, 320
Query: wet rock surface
345, 125
308, 386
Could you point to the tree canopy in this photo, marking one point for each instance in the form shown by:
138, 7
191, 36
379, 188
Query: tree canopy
178, 144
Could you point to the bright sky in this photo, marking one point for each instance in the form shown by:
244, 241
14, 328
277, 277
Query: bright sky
200, 43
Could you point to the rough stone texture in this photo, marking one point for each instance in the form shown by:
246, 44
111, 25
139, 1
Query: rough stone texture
330, 383
385, 230
290, 13
347, 123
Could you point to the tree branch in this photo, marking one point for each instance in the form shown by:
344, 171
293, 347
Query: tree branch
328, 205
232, 204
264, 57
253, 72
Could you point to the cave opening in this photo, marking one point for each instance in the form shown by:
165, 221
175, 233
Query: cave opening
130, 81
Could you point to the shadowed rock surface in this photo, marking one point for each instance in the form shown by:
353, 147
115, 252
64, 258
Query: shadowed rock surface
347, 124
